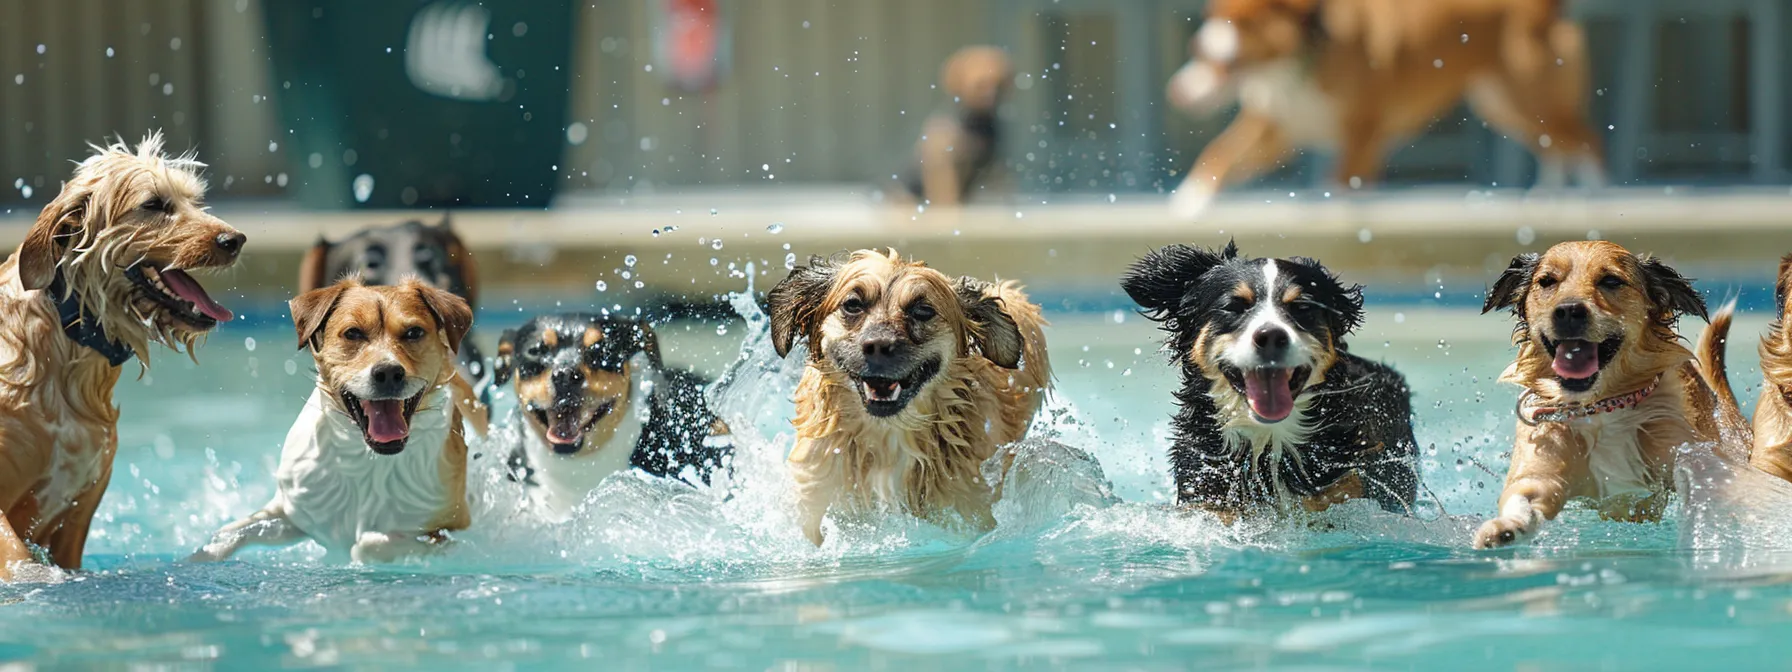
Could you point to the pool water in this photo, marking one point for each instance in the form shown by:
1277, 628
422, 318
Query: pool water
1088, 568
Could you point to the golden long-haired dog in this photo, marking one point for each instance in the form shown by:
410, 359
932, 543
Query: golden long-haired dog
1772, 450
1357, 77
1609, 389
914, 380
102, 273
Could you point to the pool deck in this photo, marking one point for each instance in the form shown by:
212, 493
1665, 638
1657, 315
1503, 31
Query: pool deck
1410, 237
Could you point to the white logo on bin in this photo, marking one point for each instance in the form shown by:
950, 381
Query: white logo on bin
445, 52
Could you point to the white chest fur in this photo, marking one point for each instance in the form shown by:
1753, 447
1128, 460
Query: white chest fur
334, 488
1614, 445
1286, 92
564, 480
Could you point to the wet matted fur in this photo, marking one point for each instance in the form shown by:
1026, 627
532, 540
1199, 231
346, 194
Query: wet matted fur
1276, 414
118, 241
914, 380
1772, 446
1596, 300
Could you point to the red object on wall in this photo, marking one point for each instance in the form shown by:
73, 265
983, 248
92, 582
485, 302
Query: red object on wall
691, 42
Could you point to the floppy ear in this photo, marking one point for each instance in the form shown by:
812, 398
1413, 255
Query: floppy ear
1783, 286
1670, 291
1158, 280
1509, 289
312, 267
460, 258
794, 304
994, 333
504, 363
46, 242
451, 312
311, 310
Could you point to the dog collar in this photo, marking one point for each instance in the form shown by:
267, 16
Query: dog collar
82, 327
1535, 415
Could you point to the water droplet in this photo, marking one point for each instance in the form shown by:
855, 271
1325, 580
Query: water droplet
363, 186
603, 286
629, 261
789, 261
1399, 318
1526, 235
715, 244
249, 344
712, 212
656, 233
292, 367
775, 228
25, 191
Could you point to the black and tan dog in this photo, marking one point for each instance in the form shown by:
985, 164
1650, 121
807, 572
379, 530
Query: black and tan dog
1609, 390
595, 399
387, 255
1275, 412
914, 380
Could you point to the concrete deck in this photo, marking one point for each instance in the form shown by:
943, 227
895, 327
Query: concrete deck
1410, 238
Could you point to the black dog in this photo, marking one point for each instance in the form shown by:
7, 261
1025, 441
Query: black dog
1275, 413
386, 255
595, 399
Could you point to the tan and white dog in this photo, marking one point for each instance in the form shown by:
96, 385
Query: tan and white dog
100, 275
914, 381
1609, 390
376, 465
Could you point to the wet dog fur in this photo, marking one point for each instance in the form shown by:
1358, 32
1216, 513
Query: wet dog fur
119, 241
594, 398
1276, 414
375, 467
1772, 445
1594, 299
913, 381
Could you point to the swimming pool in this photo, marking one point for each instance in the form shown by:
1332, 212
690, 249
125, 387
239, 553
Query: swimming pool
1076, 575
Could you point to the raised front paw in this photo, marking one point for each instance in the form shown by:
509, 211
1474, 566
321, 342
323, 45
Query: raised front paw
1500, 532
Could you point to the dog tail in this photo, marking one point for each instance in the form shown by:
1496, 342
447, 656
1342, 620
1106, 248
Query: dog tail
1712, 358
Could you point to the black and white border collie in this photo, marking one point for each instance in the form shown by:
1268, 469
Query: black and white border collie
1275, 413
594, 398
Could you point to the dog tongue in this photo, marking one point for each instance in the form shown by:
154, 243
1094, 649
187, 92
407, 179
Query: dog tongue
385, 420
565, 428
1576, 359
186, 287
1268, 391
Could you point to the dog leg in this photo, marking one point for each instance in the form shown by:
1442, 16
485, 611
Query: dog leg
12, 550
1525, 504
70, 538
939, 175
1634, 507
1246, 148
267, 527
388, 547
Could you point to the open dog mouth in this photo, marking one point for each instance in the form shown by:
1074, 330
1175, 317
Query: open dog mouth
566, 426
385, 423
1577, 362
1270, 391
178, 295
885, 397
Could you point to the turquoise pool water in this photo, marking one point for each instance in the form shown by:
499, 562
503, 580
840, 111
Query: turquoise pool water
1078, 574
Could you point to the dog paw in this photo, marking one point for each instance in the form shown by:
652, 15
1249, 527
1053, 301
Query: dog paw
1190, 201
1501, 532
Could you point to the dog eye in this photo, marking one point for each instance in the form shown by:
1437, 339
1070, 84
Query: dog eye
853, 306
157, 205
413, 334
1546, 282
1611, 282
1235, 304
922, 312
354, 334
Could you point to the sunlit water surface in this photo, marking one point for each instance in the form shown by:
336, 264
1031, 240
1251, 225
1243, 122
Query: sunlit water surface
1088, 569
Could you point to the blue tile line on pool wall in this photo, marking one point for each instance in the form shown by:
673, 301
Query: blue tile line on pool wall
1753, 295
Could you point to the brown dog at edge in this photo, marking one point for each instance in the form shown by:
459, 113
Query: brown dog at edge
100, 275
1609, 390
914, 381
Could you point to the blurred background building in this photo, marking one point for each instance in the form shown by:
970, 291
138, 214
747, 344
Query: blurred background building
406, 103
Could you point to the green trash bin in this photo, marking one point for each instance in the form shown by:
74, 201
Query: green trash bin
445, 103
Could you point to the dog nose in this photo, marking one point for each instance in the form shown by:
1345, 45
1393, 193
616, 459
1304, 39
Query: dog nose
1570, 318
231, 243
568, 378
878, 349
387, 378
1271, 342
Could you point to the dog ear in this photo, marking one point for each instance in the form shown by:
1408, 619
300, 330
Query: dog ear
505, 362
311, 310
1783, 286
794, 305
312, 268
994, 333
451, 312
1670, 291
1509, 289
460, 258
1159, 280
1343, 302
41, 251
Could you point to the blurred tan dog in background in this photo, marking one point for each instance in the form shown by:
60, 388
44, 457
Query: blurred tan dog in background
959, 150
